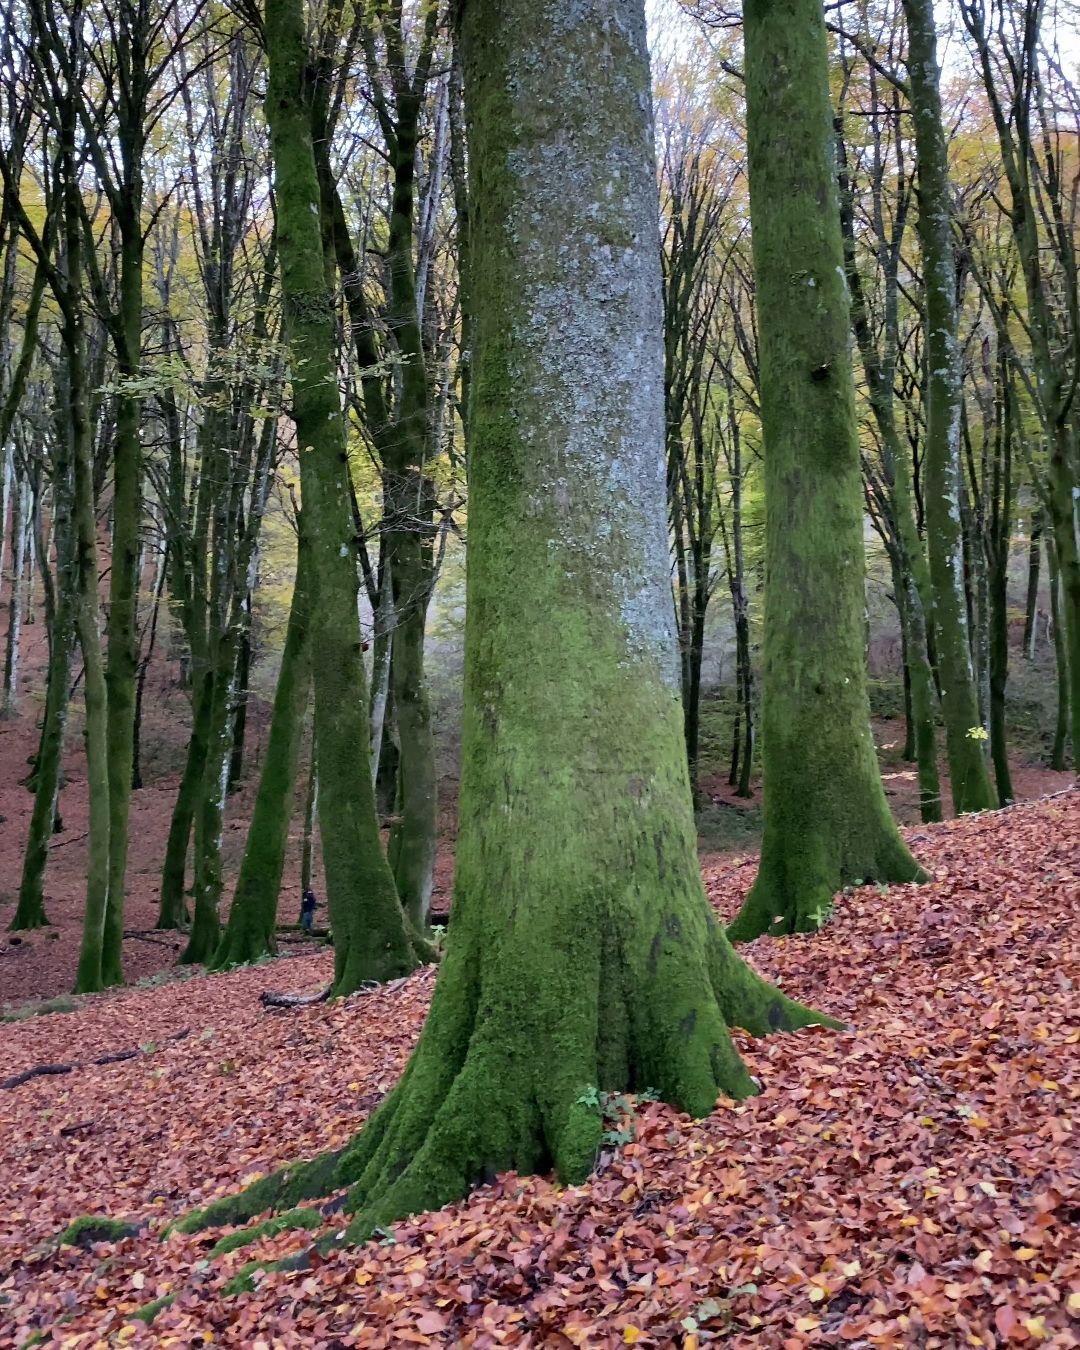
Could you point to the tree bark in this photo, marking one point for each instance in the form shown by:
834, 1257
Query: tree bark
827, 823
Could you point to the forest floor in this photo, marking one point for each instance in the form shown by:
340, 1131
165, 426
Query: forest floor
912, 1181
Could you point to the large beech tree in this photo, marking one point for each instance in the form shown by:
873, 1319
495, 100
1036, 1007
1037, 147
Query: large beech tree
827, 822
582, 954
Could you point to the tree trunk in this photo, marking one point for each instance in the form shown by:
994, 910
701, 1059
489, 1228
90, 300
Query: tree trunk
380, 665
249, 933
1064, 496
240, 700
30, 912
370, 937
210, 809
1031, 604
92, 973
122, 634
16, 601
1061, 661
583, 956
311, 801
144, 666
827, 822
172, 906
410, 499
971, 787
7, 454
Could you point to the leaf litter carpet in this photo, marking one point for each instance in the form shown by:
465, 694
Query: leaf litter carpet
914, 1181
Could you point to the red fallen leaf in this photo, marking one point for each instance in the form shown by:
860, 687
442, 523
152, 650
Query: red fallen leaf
1005, 1321
431, 1323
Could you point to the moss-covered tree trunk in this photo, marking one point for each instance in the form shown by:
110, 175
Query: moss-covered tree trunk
30, 911
827, 822
370, 937
249, 933
583, 955
968, 773
93, 969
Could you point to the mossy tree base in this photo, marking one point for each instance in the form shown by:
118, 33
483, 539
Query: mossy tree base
647, 1008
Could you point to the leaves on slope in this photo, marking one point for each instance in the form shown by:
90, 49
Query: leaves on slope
915, 1181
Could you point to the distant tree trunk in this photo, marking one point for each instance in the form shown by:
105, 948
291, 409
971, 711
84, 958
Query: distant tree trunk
827, 822
1061, 661
17, 599
970, 781
370, 937
1031, 603
249, 933
583, 956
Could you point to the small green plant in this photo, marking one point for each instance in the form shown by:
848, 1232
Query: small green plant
619, 1112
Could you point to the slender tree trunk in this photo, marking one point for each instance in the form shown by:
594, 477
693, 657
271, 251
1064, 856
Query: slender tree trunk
7, 475
380, 665
91, 974
249, 933
911, 574
172, 908
583, 955
1061, 661
16, 601
311, 802
210, 809
410, 560
1064, 499
908, 752
827, 822
1031, 603
30, 912
971, 786
240, 699
123, 644
144, 666
370, 937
